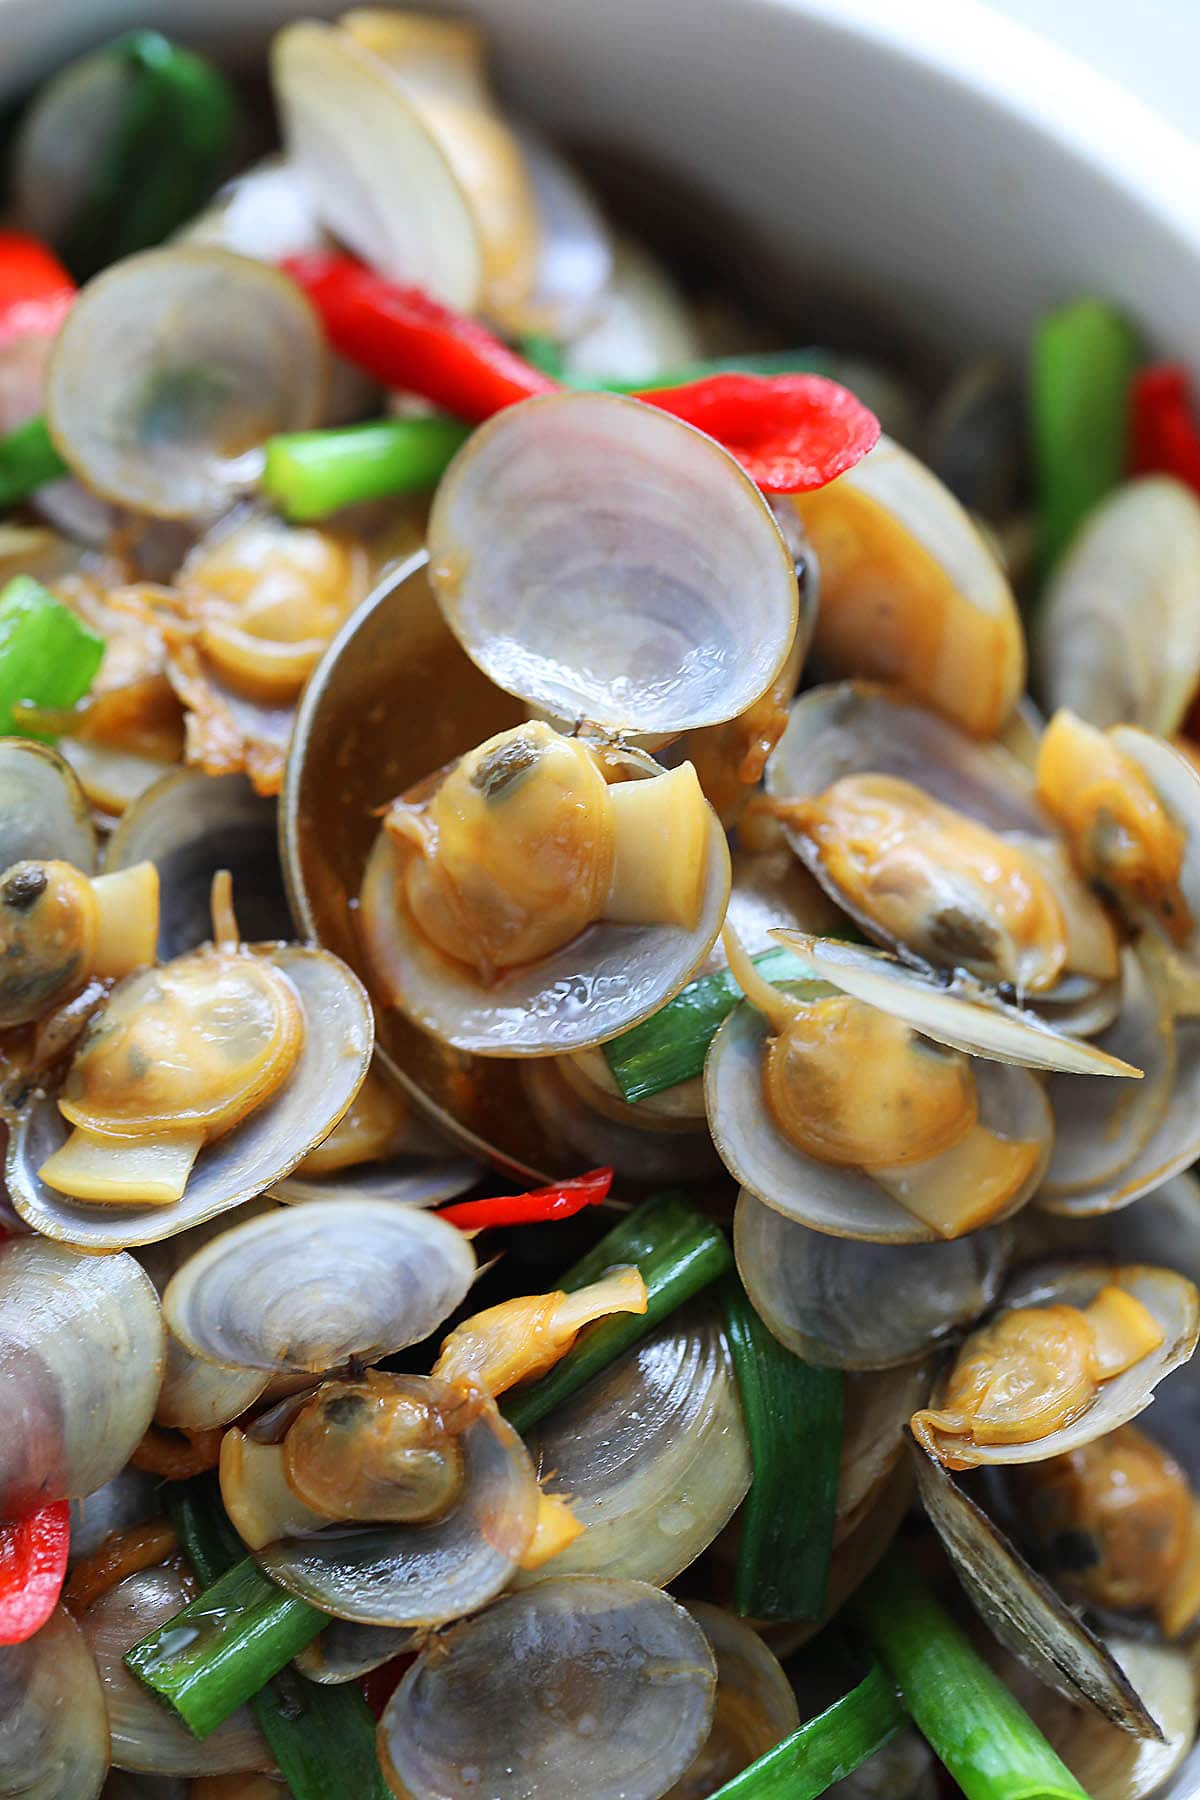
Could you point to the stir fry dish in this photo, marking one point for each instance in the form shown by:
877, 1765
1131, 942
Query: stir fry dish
599, 988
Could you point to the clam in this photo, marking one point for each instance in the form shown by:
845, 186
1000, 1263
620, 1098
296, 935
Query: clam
853, 1305
755, 1705
662, 601
911, 592
406, 1574
587, 1120
575, 250
145, 1734
876, 1411
62, 932
913, 1141
1075, 1350
314, 1287
43, 810
228, 352
270, 1046
1023, 1610
54, 1745
936, 846
343, 1652
652, 1454
130, 1498
266, 211
1118, 637
641, 324
578, 1686
81, 1347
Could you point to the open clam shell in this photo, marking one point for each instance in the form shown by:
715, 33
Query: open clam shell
643, 322
130, 1498
652, 1454
878, 1407
227, 352
309, 1288
608, 978
855, 728
417, 1180
851, 1305
845, 1202
146, 1735
190, 825
961, 1015
333, 1060
1118, 635
1175, 781
1170, 1298
81, 1358
54, 1745
633, 1680
1022, 1609
912, 591
343, 1652
633, 1141
604, 561
575, 249
405, 1575
755, 1704
44, 813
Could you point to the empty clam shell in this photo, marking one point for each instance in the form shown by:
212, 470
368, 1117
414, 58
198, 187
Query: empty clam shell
81, 1358
44, 813
605, 980
961, 1015
310, 1287
842, 1201
755, 1704
628, 1674
1173, 1302
146, 1734
1118, 636
849, 1305
227, 352
1023, 1610
333, 1060
604, 561
637, 1144
1108, 1763
190, 825
54, 1745
343, 1652
652, 1455
403, 1575
424, 1180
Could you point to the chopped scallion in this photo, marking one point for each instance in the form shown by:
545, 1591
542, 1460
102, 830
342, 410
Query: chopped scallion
310, 474
825, 1749
48, 657
28, 460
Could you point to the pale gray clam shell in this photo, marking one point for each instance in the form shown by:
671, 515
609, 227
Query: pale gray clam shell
343, 1651
762, 1704
54, 1742
44, 813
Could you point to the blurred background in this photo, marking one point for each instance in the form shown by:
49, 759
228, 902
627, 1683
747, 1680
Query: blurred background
1152, 48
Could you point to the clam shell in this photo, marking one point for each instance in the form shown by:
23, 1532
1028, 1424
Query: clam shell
81, 1358
1173, 1301
844, 1202
652, 1454
850, 1305
401, 1181
130, 1498
190, 825
605, 980
643, 323
54, 1745
602, 561
268, 1145
575, 251
309, 1288
877, 1409
44, 813
1022, 1609
1111, 1765
343, 1651
213, 327
1176, 782
146, 1734
633, 1683
402, 1575
755, 1705
640, 1149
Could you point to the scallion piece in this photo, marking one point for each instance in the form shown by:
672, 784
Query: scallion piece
793, 1419
971, 1721
28, 460
827, 1748
1084, 357
310, 474
670, 1046
48, 657
678, 1253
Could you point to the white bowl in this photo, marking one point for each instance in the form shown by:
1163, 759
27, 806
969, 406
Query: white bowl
934, 156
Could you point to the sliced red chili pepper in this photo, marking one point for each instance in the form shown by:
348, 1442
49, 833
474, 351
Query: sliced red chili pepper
1163, 435
535, 1208
33, 1566
791, 433
35, 290
406, 340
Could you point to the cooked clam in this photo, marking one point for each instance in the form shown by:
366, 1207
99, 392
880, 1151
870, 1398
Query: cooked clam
343, 1652
228, 351
855, 1305
911, 592
579, 1686
1075, 1351
54, 1745
641, 323
755, 1705
575, 248
586, 1122
81, 1347
44, 813
60, 929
